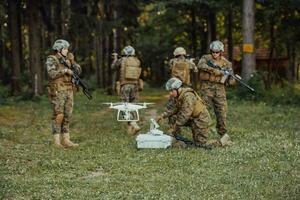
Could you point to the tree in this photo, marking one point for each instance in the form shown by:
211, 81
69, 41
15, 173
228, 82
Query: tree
35, 47
248, 39
15, 37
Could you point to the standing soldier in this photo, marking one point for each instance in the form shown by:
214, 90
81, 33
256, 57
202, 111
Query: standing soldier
129, 67
213, 84
61, 91
189, 110
180, 66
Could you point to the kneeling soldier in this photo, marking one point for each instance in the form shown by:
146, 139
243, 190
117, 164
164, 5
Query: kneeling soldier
189, 110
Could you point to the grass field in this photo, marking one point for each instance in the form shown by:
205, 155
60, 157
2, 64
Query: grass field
263, 163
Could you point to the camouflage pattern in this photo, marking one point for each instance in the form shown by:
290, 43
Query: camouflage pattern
129, 92
192, 66
216, 46
179, 112
60, 44
60, 93
213, 91
62, 105
179, 51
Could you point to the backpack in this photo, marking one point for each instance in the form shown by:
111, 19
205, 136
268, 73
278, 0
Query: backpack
181, 69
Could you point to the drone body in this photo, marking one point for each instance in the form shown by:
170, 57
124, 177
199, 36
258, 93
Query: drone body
128, 112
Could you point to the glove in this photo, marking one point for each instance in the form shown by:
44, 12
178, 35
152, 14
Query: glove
70, 57
173, 130
68, 72
159, 118
217, 72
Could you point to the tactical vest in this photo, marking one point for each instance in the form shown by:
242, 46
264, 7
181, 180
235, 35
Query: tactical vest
211, 77
181, 69
61, 83
199, 105
130, 70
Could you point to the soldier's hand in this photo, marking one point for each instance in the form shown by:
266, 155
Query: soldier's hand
158, 119
68, 72
71, 57
217, 72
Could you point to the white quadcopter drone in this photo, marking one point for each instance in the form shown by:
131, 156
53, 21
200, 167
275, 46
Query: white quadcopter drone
128, 112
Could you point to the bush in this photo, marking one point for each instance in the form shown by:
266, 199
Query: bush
287, 94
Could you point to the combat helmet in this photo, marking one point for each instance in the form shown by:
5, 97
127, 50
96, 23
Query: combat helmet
60, 44
216, 46
179, 51
128, 51
173, 84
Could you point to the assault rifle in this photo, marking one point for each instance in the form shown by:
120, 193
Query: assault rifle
190, 142
76, 80
227, 72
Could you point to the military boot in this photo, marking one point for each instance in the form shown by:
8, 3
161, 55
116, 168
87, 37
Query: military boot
135, 127
56, 141
67, 142
225, 141
129, 129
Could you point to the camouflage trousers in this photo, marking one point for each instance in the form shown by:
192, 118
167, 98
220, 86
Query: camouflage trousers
199, 126
62, 104
214, 95
129, 92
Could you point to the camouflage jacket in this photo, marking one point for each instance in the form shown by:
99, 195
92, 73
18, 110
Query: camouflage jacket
181, 107
56, 70
223, 62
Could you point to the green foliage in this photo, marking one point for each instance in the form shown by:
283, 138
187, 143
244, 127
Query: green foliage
262, 164
286, 94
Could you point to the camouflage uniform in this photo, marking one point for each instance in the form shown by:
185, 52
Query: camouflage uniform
191, 66
129, 88
60, 93
212, 89
129, 72
188, 109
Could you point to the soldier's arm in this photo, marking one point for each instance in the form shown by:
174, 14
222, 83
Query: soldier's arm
193, 65
170, 65
116, 65
77, 67
52, 70
186, 110
170, 108
202, 65
230, 81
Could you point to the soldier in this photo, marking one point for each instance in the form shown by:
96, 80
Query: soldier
129, 67
61, 91
189, 110
180, 66
212, 87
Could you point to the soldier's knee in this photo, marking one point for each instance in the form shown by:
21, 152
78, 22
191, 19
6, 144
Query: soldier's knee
59, 118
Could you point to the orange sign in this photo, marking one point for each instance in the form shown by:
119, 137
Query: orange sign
248, 48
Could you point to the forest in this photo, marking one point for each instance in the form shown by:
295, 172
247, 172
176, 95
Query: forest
261, 39
96, 29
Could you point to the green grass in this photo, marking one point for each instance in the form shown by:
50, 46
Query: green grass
263, 163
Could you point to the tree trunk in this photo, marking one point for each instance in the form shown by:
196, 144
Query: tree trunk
248, 39
211, 28
291, 63
194, 77
229, 33
15, 36
65, 17
35, 47
3, 63
271, 52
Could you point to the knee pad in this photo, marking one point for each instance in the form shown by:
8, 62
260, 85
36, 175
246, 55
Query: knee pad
59, 118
